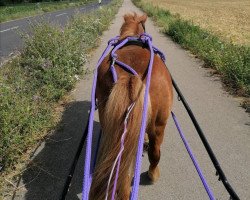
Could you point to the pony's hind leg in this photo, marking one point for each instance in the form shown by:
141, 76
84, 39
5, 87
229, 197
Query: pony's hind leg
154, 152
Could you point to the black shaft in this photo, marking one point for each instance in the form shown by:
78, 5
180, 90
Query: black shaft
216, 164
73, 166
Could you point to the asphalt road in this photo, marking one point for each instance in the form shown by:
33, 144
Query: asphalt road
225, 123
10, 32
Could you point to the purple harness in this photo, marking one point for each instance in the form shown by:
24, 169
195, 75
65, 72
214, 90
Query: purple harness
87, 179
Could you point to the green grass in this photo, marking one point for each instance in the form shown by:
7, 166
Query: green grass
17, 11
231, 61
32, 84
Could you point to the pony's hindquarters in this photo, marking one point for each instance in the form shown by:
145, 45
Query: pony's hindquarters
127, 89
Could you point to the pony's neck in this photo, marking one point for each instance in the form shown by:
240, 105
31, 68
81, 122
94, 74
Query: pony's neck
133, 25
128, 31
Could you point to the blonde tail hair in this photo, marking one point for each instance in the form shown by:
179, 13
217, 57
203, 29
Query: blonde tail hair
127, 89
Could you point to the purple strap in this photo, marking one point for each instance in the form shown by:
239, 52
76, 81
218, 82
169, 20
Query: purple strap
137, 170
114, 74
125, 66
157, 51
113, 71
197, 167
87, 175
122, 147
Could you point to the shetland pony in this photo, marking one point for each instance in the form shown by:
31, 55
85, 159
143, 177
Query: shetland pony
113, 101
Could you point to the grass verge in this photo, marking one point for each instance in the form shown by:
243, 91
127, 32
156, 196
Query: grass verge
33, 84
17, 11
231, 61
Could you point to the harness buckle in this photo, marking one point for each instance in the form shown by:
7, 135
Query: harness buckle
113, 61
114, 58
113, 41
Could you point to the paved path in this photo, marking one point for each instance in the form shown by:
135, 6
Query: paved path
225, 123
10, 38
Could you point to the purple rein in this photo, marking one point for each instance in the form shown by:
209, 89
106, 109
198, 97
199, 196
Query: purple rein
87, 178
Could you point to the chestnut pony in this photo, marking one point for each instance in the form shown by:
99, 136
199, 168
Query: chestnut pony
113, 102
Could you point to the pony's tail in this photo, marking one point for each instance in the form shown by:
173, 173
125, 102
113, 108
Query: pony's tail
127, 90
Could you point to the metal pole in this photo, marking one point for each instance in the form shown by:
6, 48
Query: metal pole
73, 166
214, 160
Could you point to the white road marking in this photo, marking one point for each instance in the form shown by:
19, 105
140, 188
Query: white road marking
61, 14
15, 27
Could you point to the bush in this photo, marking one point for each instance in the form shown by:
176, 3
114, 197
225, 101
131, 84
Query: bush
32, 84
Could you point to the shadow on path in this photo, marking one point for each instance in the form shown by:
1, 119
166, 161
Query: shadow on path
46, 174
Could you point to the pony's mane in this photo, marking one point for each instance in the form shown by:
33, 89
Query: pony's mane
133, 25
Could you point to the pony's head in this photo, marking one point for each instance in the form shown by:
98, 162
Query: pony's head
133, 25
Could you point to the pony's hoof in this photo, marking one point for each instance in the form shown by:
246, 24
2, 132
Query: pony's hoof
154, 174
